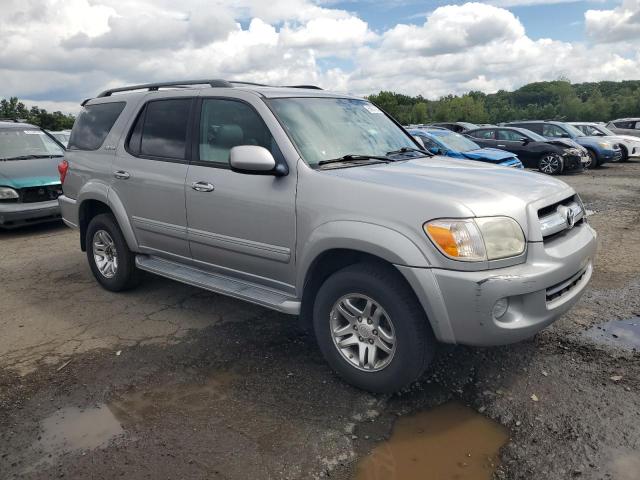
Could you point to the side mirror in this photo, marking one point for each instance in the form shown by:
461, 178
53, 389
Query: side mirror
435, 150
252, 159
525, 141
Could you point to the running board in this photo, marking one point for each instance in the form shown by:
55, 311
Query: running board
222, 284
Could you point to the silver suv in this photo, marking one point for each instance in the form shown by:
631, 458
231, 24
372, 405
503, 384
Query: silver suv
320, 205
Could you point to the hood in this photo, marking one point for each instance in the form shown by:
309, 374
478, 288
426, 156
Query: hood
563, 142
34, 172
621, 138
481, 187
493, 155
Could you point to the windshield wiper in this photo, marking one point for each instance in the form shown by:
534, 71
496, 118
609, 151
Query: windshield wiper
410, 149
354, 158
28, 157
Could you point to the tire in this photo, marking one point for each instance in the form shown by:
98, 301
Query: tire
551, 164
625, 154
396, 313
594, 160
104, 239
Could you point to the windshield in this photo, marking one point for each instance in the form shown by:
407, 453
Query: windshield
602, 129
19, 143
573, 130
455, 141
532, 135
328, 128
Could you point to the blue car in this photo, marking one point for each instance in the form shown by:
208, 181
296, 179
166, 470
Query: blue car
445, 142
600, 150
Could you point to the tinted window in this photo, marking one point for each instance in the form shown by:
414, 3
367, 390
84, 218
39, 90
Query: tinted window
485, 134
164, 133
225, 124
554, 131
93, 125
624, 124
510, 136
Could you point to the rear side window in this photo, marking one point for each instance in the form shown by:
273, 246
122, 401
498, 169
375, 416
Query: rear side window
485, 134
628, 125
161, 129
93, 125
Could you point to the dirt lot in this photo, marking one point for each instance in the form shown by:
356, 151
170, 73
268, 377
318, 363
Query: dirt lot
168, 381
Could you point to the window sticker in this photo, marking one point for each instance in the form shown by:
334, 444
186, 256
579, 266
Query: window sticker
372, 108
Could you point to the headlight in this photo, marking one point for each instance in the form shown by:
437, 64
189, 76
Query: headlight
604, 144
475, 240
7, 193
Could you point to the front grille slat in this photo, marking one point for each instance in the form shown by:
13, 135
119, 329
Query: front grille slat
40, 194
557, 218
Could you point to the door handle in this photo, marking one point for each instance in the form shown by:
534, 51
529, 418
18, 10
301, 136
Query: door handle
202, 187
121, 174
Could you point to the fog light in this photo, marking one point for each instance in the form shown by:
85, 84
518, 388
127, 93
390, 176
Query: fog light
500, 307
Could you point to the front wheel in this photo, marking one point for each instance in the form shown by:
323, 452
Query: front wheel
371, 329
551, 164
593, 160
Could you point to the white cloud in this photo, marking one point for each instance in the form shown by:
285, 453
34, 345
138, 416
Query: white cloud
58, 52
621, 24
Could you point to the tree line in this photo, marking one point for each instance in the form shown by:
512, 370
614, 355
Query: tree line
555, 100
13, 109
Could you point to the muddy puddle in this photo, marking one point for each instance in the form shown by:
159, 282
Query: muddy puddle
445, 443
620, 333
74, 429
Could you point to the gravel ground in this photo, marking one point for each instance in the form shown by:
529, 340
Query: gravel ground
168, 381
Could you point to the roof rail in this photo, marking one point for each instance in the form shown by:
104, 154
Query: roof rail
310, 87
177, 84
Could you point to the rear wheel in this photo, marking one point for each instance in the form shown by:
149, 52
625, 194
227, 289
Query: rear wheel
551, 164
111, 261
371, 329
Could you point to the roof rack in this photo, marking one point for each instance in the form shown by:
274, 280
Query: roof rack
216, 83
309, 87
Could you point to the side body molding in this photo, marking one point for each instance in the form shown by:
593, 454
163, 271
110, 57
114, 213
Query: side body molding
370, 238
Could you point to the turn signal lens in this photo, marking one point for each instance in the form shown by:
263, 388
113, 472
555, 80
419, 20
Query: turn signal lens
458, 239
477, 239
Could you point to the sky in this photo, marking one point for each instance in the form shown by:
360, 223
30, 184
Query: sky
55, 53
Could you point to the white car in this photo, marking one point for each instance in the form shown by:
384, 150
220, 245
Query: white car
625, 126
629, 144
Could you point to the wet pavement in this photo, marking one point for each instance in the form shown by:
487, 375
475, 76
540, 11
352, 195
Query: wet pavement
168, 381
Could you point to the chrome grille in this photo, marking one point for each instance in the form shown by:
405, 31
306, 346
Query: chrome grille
560, 216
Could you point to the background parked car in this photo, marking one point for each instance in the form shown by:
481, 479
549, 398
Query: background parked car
62, 136
600, 151
629, 144
458, 127
625, 126
533, 150
29, 180
445, 142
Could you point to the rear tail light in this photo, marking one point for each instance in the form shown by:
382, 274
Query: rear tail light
63, 168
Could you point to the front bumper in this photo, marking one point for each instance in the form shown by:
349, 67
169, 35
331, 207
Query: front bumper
14, 215
460, 305
574, 162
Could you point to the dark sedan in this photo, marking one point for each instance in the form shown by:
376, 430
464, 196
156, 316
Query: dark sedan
534, 151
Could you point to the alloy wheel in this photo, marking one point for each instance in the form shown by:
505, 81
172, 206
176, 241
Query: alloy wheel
550, 164
362, 332
105, 253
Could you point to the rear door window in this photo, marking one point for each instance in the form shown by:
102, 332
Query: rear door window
553, 131
485, 134
93, 125
164, 133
